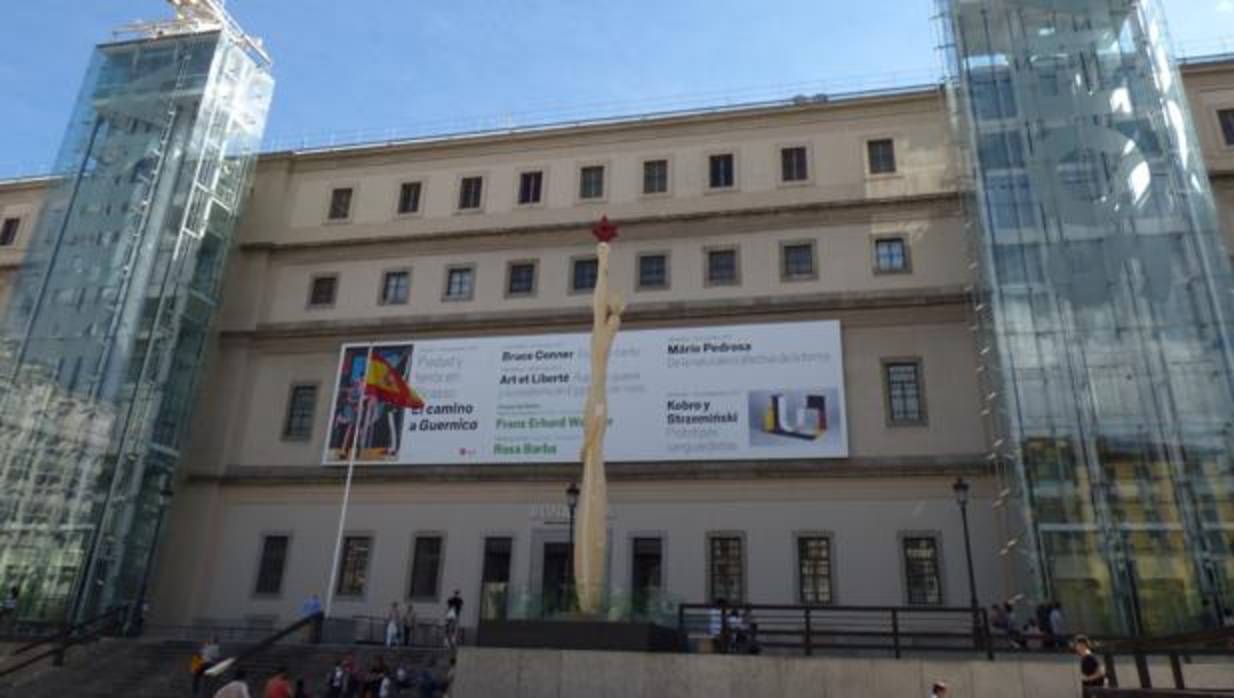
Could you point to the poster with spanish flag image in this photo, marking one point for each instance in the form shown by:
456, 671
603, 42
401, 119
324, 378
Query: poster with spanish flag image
370, 398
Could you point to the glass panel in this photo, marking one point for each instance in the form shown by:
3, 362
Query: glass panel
585, 273
882, 156
921, 571
522, 279
340, 204
322, 292
396, 288
652, 271
1105, 339
798, 261
301, 405
814, 570
409, 197
591, 182
793, 166
98, 368
459, 284
353, 567
655, 176
721, 171
889, 255
425, 567
273, 560
529, 187
727, 570
722, 266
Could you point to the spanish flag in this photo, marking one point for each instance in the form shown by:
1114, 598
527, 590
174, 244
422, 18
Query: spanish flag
384, 383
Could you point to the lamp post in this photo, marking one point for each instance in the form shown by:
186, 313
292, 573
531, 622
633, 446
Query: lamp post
572, 493
960, 488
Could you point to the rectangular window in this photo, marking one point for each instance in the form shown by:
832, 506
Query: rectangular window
653, 271
470, 190
726, 568
460, 283
793, 164
425, 567
591, 182
270, 568
322, 290
395, 288
890, 255
797, 261
1226, 117
353, 565
340, 204
8, 232
921, 573
814, 569
409, 198
720, 171
301, 405
583, 275
655, 177
882, 154
904, 399
530, 185
521, 279
721, 267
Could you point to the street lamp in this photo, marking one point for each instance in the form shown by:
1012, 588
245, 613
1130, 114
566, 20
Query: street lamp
961, 498
572, 504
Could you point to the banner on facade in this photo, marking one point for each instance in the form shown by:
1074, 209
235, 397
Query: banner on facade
741, 392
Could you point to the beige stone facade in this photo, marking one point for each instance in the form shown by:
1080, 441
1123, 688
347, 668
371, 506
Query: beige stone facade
245, 478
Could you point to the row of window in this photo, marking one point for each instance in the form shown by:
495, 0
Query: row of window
726, 567
798, 262
592, 180
903, 392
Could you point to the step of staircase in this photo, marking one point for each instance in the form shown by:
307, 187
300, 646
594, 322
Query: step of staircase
144, 669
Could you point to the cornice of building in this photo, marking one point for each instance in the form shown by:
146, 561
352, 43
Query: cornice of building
755, 308
857, 467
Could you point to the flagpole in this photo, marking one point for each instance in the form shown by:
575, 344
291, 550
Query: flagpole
361, 408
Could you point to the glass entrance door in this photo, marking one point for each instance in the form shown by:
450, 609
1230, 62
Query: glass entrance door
495, 578
554, 578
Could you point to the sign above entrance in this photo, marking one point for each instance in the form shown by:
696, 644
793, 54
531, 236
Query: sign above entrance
740, 392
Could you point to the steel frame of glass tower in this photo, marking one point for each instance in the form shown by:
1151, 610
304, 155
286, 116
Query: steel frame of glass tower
104, 337
1102, 299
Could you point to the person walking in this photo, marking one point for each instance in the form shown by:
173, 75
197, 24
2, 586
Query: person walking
236, 688
409, 624
278, 686
8, 609
1092, 675
394, 620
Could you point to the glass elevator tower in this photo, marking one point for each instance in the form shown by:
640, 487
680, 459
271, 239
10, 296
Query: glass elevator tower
1103, 299
103, 340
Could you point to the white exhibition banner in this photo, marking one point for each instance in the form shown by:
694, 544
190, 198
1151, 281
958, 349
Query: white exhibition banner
740, 392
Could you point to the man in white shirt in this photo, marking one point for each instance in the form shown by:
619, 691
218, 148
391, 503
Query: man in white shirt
236, 688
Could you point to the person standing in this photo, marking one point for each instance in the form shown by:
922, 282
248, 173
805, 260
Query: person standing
278, 686
1058, 625
310, 607
208, 656
1042, 614
409, 624
1092, 675
454, 616
336, 681
393, 621
236, 688
938, 690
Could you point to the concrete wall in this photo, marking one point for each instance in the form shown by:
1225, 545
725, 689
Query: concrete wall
484, 673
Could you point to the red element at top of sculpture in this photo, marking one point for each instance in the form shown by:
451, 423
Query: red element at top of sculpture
604, 231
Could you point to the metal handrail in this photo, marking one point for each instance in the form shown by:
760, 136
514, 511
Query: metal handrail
314, 622
60, 642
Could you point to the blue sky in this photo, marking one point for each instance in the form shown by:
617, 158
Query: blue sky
448, 65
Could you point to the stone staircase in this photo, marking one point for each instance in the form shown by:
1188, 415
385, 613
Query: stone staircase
112, 668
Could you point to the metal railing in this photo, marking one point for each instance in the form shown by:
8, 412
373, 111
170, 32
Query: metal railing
1177, 649
55, 645
371, 630
816, 629
313, 625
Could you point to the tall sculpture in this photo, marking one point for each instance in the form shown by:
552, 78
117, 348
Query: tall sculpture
591, 534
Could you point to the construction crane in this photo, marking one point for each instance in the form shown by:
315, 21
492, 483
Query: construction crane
194, 17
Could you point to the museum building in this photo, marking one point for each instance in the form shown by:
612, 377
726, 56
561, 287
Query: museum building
858, 213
